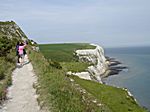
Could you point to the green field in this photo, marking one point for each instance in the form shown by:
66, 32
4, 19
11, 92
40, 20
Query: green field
59, 93
62, 52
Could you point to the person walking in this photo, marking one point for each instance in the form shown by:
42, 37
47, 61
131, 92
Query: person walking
21, 52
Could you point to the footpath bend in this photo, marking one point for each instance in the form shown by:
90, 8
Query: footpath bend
21, 94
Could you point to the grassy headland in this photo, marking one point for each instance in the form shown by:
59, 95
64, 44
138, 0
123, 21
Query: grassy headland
57, 91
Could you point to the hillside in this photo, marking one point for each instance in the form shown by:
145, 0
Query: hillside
95, 97
11, 30
10, 33
16, 82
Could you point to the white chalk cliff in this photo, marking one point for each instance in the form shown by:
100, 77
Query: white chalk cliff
98, 61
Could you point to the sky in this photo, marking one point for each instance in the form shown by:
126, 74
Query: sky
109, 23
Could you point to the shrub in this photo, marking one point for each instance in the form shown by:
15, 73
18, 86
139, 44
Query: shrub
10, 57
2, 69
55, 64
5, 45
2, 75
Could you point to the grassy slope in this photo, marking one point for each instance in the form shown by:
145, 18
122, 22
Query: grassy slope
56, 91
116, 99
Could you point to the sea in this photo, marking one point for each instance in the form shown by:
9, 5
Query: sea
137, 77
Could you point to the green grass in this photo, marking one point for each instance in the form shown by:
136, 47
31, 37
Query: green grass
56, 91
62, 52
114, 99
74, 66
6, 68
7, 61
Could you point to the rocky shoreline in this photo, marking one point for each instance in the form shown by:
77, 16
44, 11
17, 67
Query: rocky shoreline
114, 66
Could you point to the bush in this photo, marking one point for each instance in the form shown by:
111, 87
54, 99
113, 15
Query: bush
2, 69
6, 45
2, 75
55, 64
11, 57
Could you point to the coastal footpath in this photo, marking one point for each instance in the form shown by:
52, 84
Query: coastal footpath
55, 90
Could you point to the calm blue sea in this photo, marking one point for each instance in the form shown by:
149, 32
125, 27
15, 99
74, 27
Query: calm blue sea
137, 78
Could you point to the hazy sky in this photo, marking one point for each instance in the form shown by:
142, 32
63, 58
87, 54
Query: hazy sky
105, 22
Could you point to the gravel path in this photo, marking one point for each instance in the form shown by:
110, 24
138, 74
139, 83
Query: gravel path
21, 95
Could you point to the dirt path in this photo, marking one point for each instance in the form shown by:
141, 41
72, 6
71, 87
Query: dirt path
21, 94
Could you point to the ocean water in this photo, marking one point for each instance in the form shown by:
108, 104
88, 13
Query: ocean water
137, 77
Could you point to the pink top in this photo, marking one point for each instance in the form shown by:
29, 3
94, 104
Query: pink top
20, 50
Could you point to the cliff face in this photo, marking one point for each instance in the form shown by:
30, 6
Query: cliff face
97, 60
11, 30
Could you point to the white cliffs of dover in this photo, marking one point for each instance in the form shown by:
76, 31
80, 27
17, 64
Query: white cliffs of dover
97, 60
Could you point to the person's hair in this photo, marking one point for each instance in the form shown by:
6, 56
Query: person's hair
21, 44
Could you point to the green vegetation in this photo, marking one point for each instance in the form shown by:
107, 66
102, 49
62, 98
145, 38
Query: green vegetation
11, 30
7, 54
113, 99
74, 66
55, 89
7, 23
7, 63
62, 52
6, 45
